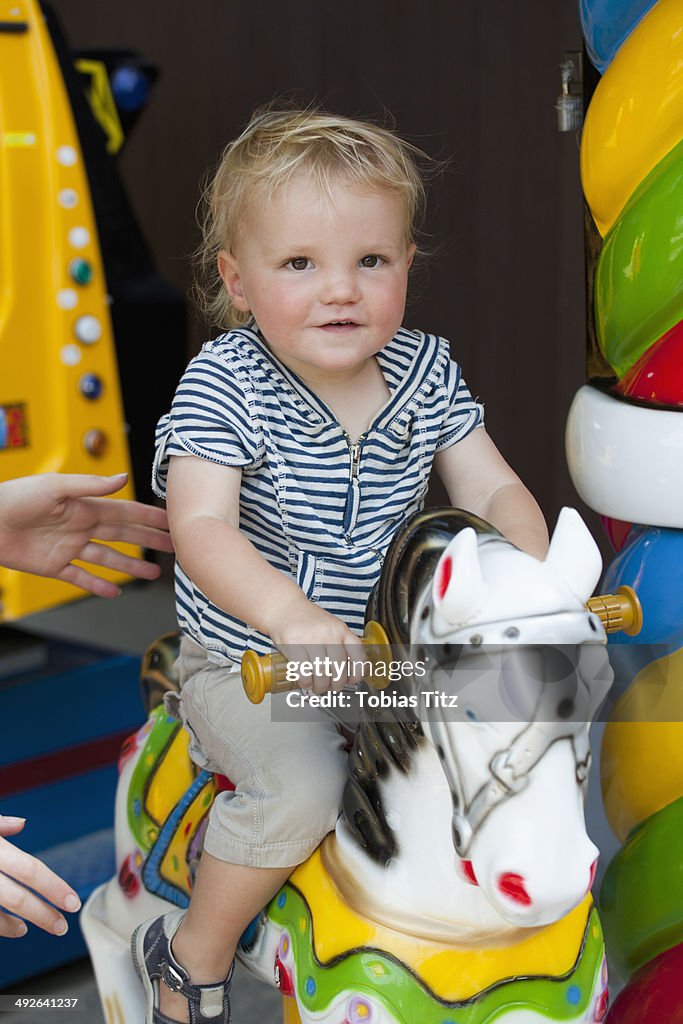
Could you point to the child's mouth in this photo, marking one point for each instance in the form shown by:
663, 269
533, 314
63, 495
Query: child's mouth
339, 325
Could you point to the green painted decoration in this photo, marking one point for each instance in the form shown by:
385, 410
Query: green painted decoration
379, 976
163, 728
641, 900
639, 276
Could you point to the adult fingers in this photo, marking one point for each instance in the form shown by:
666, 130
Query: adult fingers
9, 825
26, 905
145, 536
11, 927
21, 872
79, 577
110, 558
84, 485
120, 511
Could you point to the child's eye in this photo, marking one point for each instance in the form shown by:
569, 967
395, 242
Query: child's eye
372, 260
298, 263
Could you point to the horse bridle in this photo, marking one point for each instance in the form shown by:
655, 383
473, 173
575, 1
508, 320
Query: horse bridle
562, 711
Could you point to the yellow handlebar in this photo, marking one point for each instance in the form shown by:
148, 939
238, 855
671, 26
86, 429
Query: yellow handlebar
618, 611
267, 673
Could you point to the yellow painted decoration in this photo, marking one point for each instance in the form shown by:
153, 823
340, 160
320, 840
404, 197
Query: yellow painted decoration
102, 102
12, 139
113, 1011
171, 779
174, 864
452, 974
636, 114
46, 219
641, 762
290, 1012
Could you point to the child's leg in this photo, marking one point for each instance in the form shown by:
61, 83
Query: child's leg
288, 777
226, 897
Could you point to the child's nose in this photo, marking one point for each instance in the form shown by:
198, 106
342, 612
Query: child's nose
340, 287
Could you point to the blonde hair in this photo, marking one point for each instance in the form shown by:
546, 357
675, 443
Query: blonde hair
279, 144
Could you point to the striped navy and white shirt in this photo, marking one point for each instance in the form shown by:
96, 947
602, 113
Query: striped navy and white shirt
316, 505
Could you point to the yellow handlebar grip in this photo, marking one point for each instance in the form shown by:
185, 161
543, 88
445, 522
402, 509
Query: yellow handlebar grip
618, 611
266, 673
255, 676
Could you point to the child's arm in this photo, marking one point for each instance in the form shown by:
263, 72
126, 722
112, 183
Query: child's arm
203, 513
478, 479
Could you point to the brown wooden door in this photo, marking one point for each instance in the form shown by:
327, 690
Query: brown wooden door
472, 81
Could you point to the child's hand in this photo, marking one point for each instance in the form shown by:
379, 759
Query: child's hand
305, 632
19, 874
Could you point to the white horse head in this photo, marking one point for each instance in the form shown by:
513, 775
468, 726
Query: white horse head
532, 669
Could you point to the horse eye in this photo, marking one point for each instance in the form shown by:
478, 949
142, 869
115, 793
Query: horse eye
565, 708
447, 655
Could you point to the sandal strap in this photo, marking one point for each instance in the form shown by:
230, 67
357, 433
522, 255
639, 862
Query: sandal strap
153, 955
206, 1002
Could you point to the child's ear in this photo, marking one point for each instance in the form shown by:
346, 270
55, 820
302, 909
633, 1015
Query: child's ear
412, 248
229, 270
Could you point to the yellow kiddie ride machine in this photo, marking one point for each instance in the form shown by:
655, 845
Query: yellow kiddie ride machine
78, 296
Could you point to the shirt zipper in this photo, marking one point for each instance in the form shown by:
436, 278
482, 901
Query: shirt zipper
353, 497
354, 454
354, 469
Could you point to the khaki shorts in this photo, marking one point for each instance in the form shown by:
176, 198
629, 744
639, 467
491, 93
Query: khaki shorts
289, 776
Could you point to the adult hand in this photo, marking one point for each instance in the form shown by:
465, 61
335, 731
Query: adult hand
48, 521
20, 873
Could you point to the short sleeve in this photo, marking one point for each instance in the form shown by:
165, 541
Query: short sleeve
463, 413
212, 417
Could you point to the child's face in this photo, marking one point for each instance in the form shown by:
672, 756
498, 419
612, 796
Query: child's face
325, 278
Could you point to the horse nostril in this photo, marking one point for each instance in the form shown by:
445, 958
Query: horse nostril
468, 872
594, 868
512, 886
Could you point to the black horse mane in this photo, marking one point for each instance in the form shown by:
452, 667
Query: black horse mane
389, 737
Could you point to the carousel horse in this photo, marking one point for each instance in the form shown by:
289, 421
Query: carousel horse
456, 886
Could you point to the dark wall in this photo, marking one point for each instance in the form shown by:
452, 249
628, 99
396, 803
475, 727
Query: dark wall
470, 80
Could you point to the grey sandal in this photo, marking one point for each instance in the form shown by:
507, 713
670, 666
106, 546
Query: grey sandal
155, 963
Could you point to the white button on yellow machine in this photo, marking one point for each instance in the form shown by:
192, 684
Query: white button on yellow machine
88, 329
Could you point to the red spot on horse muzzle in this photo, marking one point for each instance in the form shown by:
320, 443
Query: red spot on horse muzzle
512, 886
594, 868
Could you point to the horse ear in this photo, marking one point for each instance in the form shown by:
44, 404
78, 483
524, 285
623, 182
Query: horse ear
574, 555
458, 587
